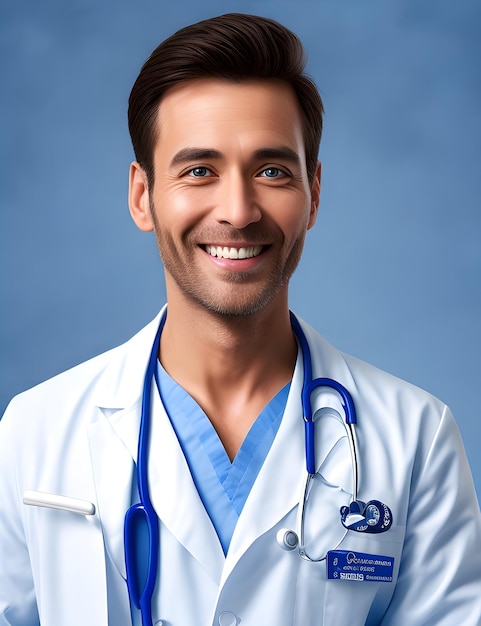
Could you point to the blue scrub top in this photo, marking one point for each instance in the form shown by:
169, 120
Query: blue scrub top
223, 485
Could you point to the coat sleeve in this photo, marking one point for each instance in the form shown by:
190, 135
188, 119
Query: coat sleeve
18, 606
439, 580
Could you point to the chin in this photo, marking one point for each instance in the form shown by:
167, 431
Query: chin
236, 306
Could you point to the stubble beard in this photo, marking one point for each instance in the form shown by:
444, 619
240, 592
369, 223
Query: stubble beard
238, 296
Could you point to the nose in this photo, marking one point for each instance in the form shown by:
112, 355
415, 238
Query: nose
236, 203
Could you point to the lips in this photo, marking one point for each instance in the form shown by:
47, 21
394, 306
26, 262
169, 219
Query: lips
224, 252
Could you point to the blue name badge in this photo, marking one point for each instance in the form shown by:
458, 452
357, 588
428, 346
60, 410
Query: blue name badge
360, 567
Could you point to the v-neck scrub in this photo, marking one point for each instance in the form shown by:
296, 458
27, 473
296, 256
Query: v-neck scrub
223, 486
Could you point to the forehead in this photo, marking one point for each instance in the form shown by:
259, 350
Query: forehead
220, 113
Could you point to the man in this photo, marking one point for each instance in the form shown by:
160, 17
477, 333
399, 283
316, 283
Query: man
226, 130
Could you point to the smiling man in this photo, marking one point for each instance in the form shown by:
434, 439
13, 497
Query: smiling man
231, 199
265, 497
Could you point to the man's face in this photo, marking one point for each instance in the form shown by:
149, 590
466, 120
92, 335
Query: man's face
231, 202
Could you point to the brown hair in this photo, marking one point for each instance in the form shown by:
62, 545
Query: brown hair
230, 47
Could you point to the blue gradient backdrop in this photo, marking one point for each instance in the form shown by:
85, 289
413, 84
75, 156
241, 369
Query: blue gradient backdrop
392, 271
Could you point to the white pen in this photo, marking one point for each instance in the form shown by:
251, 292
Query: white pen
55, 501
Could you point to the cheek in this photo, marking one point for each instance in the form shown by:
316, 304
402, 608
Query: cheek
173, 208
183, 201
294, 224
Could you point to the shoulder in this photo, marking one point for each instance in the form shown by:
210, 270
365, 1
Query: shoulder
327, 357
407, 439
383, 401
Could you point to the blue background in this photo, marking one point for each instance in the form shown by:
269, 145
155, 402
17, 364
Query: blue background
392, 271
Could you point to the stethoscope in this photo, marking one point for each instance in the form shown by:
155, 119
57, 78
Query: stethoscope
142, 520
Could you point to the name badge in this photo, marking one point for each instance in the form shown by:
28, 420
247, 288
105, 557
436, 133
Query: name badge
360, 567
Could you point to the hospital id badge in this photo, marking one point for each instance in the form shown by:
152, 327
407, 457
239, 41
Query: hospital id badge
359, 566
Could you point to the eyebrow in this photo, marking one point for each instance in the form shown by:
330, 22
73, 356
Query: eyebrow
283, 153
187, 155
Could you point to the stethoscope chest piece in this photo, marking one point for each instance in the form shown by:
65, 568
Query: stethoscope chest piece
373, 517
287, 539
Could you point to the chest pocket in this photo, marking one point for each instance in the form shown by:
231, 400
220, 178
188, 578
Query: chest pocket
363, 603
323, 602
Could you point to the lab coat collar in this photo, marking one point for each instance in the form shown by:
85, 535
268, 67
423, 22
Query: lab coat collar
123, 379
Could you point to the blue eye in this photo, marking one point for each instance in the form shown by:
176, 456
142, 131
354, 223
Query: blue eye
200, 172
272, 172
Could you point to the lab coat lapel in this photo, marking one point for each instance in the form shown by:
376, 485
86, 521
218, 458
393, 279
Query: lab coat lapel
113, 437
113, 448
113, 444
175, 497
277, 487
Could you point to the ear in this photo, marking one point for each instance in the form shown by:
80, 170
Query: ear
315, 195
139, 204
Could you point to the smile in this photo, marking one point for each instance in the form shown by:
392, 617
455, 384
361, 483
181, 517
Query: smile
233, 253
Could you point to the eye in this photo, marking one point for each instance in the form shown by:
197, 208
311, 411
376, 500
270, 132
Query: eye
200, 172
272, 172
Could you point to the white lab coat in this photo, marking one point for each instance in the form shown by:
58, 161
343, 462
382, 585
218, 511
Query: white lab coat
76, 435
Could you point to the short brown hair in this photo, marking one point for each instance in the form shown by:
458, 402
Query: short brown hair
230, 47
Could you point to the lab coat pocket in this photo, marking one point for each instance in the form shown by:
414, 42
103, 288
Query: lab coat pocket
362, 602
67, 554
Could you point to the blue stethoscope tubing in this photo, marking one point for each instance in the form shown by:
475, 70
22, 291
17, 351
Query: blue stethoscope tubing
309, 385
142, 517
143, 512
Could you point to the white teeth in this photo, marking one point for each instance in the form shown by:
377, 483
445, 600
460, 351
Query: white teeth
233, 253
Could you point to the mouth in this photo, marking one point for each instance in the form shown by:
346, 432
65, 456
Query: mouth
229, 252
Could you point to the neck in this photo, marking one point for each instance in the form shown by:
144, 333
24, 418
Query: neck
199, 345
232, 366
